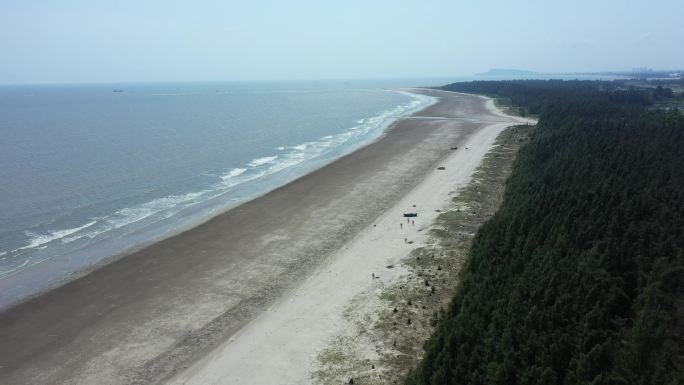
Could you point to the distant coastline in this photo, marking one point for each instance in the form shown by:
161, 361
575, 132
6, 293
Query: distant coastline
507, 72
636, 73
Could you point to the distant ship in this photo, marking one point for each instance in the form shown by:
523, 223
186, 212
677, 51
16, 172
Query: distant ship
117, 90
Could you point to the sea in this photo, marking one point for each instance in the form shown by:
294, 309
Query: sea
91, 171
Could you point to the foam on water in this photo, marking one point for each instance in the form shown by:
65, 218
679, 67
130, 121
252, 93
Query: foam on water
261, 161
130, 215
233, 173
23, 265
37, 240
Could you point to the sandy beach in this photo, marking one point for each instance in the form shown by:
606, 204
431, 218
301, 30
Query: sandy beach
249, 296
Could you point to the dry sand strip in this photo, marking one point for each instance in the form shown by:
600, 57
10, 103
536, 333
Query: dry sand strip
144, 316
281, 345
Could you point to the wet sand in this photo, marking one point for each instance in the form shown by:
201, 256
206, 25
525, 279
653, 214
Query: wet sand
144, 317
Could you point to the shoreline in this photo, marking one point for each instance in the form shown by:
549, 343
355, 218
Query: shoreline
139, 318
291, 338
189, 222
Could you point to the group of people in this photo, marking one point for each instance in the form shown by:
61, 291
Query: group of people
401, 226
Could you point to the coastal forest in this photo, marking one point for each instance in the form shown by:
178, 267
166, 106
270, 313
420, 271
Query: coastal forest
579, 276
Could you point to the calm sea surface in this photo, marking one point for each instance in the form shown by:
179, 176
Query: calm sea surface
88, 172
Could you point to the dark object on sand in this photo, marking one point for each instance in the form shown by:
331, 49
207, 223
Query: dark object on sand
441, 168
454, 148
410, 215
390, 266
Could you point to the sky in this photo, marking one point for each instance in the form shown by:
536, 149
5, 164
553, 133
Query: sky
84, 41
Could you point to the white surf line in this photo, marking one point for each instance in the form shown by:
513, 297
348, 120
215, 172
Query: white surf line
280, 346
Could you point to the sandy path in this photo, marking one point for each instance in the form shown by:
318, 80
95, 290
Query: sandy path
280, 345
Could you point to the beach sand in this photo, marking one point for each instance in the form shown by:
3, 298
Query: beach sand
250, 295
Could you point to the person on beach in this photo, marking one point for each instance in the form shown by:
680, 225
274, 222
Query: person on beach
413, 223
401, 225
405, 240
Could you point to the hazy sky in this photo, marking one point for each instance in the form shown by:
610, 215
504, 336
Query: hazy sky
156, 40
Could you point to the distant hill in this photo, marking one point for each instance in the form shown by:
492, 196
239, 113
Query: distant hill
506, 72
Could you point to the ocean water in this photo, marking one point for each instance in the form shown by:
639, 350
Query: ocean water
88, 173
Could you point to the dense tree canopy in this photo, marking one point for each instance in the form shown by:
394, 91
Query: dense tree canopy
579, 277
536, 94
660, 93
